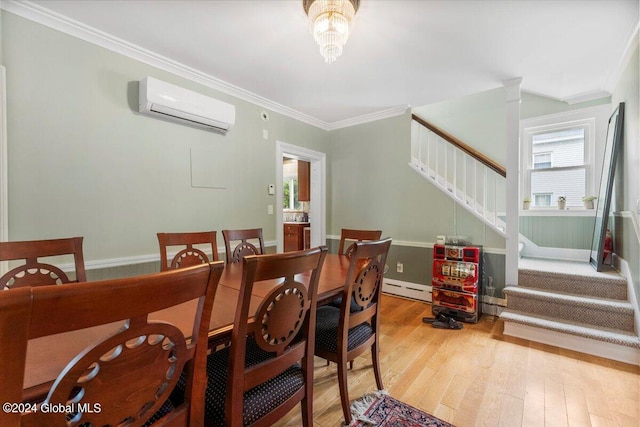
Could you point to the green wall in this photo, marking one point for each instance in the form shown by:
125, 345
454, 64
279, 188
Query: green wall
372, 186
83, 161
626, 183
570, 232
479, 120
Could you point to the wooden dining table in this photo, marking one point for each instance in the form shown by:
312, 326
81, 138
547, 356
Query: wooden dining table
47, 356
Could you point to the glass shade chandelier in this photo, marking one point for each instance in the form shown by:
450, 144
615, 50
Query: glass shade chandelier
330, 22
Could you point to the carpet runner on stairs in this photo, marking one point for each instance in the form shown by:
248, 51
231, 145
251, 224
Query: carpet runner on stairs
573, 302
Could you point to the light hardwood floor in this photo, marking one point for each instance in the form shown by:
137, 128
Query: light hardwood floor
479, 377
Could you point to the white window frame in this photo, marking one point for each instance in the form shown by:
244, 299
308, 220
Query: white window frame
292, 196
593, 120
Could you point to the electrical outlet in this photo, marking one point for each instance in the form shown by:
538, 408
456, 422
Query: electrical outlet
400, 267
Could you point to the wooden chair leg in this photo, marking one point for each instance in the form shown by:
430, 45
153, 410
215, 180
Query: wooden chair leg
351, 365
344, 391
375, 358
307, 412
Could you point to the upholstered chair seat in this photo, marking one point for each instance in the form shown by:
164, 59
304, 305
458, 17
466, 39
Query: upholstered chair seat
327, 319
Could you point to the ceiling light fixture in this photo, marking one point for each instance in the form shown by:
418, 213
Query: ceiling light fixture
330, 22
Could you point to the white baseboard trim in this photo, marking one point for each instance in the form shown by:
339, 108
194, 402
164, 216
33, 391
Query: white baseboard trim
623, 267
531, 250
407, 289
607, 350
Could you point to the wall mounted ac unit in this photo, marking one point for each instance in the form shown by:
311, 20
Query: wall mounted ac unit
162, 99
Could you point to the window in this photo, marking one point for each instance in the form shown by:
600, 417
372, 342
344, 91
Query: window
542, 199
541, 160
290, 196
567, 176
290, 185
556, 156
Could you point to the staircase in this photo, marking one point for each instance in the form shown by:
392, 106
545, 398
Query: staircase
570, 307
474, 181
577, 309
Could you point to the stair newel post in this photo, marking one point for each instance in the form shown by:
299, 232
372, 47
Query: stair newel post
512, 89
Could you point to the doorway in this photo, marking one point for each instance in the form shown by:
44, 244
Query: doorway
317, 205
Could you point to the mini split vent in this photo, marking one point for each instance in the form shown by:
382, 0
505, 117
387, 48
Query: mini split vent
161, 99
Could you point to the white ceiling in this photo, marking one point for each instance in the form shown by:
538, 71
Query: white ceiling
400, 52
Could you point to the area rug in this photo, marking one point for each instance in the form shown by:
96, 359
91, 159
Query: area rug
381, 410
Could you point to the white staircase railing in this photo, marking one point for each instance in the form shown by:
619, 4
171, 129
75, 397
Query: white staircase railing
474, 181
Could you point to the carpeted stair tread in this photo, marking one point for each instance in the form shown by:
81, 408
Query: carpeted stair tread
603, 285
611, 276
608, 335
576, 300
597, 312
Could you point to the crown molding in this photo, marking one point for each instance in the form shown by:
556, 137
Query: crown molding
36, 13
366, 118
586, 96
56, 21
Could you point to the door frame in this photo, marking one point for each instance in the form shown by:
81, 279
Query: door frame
318, 183
4, 160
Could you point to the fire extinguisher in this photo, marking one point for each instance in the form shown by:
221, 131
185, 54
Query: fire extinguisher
608, 245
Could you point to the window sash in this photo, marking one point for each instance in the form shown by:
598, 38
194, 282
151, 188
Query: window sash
528, 156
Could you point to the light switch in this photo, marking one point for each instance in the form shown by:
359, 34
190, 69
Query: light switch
270, 209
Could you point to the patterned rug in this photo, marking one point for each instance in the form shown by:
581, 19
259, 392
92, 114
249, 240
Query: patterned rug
382, 410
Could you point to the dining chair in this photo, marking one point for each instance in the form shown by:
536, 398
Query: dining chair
343, 334
132, 372
348, 235
243, 247
35, 272
188, 255
268, 368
